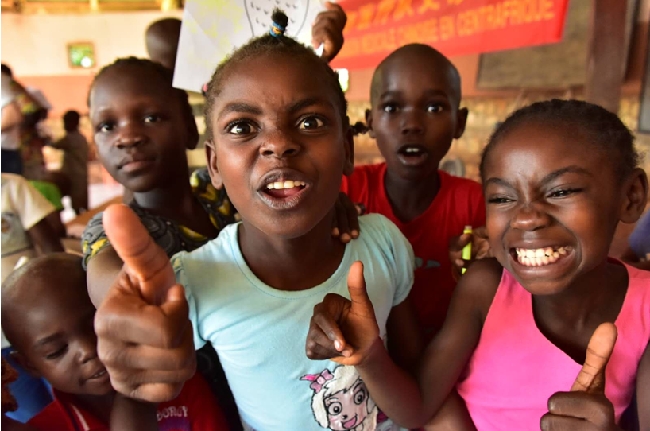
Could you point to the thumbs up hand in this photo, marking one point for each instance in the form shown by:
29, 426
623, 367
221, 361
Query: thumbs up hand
144, 335
341, 329
585, 407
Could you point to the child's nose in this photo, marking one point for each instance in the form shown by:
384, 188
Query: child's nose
530, 218
87, 351
411, 122
130, 135
279, 145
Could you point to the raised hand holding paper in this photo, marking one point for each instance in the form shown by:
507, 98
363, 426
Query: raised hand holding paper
212, 29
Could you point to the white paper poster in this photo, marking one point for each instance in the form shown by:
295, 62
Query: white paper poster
212, 29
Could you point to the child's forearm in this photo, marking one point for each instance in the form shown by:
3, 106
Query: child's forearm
396, 393
452, 416
132, 415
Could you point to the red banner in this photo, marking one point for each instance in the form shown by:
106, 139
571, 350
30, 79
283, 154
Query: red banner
455, 27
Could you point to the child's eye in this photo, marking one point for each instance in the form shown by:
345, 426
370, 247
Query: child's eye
152, 119
499, 200
240, 128
562, 193
311, 122
390, 107
105, 127
435, 107
57, 353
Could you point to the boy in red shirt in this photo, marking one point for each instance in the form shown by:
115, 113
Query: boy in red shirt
415, 115
49, 318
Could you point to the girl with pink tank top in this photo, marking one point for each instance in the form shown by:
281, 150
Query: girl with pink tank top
558, 177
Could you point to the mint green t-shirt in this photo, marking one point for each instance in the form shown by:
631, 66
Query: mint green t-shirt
260, 332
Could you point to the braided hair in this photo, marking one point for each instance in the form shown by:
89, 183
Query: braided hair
275, 42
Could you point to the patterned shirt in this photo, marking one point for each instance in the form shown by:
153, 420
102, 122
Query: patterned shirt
168, 234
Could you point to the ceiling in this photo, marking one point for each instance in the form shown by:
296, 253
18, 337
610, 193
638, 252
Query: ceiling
86, 6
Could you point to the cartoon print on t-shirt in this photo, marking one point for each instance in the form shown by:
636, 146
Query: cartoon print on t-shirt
341, 401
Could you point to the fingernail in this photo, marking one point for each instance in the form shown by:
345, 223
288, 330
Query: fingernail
335, 231
337, 345
347, 353
354, 233
345, 237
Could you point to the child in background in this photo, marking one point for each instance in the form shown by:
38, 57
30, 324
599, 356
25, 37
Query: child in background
48, 317
161, 41
558, 177
12, 119
280, 144
75, 161
143, 127
415, 115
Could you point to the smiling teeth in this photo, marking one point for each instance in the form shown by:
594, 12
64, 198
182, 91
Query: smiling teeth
285, 184
97, 375
412, 150
540, 256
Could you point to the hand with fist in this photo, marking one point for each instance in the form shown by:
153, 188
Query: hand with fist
585, 407
344, 330
328, 30
480, 249
144, 333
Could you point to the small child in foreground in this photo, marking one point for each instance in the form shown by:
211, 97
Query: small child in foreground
49, 319
558, 177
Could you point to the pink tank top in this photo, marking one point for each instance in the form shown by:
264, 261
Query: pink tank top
515, 369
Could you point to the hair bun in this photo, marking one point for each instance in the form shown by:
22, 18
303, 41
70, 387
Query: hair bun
359, 128
280, 22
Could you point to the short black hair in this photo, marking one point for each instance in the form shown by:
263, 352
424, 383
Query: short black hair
417, 49
145, 64
7, 70
71, 120
604, 129
37, 274
156, 69
269, 44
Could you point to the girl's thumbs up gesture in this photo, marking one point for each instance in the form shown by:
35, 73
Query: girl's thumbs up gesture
585, 407
341, 329
144, 333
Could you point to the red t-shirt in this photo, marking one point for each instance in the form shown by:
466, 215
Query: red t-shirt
459, 203
195, 409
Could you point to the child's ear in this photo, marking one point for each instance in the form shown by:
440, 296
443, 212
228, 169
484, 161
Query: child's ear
21, 360
371, 131
635, 196
461, 122
213, 170
348, 143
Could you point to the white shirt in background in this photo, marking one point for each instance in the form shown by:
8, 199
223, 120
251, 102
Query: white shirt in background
11, 137
22, 208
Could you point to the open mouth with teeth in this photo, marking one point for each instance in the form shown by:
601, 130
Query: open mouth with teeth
539, 256
413, 151
284, 189
98, 375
